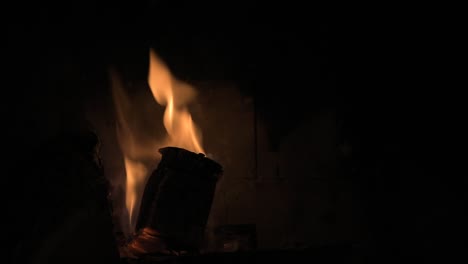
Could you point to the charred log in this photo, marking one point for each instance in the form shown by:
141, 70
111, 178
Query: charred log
176, 203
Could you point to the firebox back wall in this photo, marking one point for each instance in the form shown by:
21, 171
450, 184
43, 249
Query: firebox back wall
291, 194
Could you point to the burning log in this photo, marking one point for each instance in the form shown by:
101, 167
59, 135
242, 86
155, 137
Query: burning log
176, 203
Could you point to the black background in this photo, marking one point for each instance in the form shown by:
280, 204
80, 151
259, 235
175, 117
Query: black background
375, 69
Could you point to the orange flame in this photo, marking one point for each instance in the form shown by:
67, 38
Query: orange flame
137, 147
174, 95
138, 143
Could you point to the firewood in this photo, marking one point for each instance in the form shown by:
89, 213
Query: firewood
176, 203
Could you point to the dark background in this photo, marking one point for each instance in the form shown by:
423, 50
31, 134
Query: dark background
374, 70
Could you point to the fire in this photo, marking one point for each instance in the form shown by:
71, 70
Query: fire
175, 95
138, 142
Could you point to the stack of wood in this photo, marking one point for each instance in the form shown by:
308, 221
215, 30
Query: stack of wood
65, 211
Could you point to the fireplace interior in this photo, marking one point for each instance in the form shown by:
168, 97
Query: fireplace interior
297, 163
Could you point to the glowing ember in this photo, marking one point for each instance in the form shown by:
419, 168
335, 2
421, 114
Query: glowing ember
140, 147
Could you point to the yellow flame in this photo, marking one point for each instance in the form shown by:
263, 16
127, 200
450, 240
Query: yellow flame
138, 148
136, 172
175, 95
138, 143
